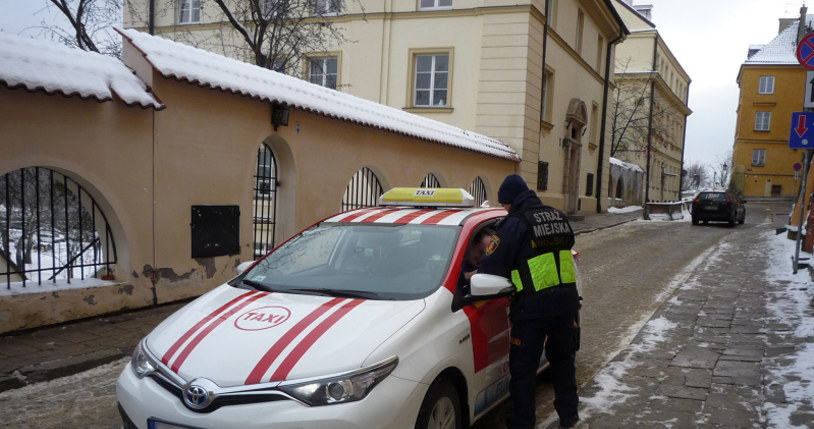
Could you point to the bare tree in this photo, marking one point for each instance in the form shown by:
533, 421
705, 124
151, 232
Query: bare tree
275, 34
696, 176
90, 23
631, 119
721, 170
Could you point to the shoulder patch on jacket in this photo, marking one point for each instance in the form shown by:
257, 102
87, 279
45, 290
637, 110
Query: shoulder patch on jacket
493, 245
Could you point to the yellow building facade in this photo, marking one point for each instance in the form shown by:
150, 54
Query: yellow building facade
473, 64
772, 86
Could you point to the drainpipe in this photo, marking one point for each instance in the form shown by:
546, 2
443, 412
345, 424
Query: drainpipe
604, 122
650, 122
543, 84
151, 19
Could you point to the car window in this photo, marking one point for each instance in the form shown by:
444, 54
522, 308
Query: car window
367, 260
713, 196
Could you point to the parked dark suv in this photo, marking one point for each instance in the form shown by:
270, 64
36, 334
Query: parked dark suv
718, 205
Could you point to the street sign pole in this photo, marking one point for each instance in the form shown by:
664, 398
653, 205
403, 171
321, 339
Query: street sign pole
806, 158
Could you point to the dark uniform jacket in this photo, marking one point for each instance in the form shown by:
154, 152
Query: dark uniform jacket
512, 246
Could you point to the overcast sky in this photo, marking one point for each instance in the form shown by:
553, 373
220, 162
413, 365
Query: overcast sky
709, 38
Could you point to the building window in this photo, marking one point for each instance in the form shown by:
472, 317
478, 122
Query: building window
551, 13
542, 176
189, 11
431, 81
435, 4
327, 7
589, 185
547, 94
762, 120
364, 190
322, 71
580, 28
766, 85
759, 157
265, 201
478, 191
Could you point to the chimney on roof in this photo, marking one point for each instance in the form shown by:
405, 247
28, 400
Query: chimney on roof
801, 28
645, 10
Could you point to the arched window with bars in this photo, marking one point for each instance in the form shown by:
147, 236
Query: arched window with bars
478, 191
364, 190
265, 201
51, 230
430, 181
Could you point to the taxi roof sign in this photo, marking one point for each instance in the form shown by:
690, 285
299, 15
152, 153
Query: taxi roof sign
427, 197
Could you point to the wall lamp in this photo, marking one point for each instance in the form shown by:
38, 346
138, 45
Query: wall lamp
279, 115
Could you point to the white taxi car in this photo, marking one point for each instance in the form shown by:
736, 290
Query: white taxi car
360, 321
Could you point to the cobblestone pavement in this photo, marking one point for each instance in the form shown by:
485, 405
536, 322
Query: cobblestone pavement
716, 354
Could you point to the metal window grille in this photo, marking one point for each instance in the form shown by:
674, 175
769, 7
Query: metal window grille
265, 201
363, 190
430, 182
51, 229
542, 176
478, 190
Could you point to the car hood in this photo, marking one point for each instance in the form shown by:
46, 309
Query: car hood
235, 337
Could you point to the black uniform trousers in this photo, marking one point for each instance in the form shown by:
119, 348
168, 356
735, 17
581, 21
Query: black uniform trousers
528, 341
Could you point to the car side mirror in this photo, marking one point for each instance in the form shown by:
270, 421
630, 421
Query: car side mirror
488, 286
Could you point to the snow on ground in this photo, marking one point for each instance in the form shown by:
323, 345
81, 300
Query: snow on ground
627, 209
795, 372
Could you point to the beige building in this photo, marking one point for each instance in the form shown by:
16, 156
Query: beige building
171, 177
533, 78
650, 106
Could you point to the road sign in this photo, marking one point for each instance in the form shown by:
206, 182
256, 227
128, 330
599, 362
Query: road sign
808, 102
805, 51
802, 130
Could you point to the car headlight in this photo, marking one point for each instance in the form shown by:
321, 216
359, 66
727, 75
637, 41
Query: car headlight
348, 387
142, 362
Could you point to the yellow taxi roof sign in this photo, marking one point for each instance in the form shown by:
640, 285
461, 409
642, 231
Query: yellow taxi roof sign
427, 197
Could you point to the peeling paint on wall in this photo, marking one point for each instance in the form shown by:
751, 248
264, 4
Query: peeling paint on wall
90, 299
126, 289
209, 266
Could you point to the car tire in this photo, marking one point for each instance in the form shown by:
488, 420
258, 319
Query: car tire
695, 221
441, 408
732, 221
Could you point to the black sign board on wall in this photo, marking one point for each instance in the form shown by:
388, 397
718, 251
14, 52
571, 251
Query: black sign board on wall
215, 230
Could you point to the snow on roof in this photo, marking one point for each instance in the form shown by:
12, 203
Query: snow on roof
182, 62
782, 49
625, 165
38, 65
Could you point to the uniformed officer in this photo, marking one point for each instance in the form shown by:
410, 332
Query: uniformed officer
532, 247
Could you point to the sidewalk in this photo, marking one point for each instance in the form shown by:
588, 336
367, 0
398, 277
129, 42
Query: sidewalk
56, 351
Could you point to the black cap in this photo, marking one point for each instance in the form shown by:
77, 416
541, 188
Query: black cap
511, 187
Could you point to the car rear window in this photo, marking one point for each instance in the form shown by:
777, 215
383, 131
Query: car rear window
712, 196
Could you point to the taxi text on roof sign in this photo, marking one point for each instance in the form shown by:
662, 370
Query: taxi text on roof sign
427, 197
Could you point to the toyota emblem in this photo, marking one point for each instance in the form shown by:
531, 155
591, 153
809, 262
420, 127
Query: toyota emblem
196, 397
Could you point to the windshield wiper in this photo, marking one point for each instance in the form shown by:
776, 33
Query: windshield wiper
340, 293
258, 285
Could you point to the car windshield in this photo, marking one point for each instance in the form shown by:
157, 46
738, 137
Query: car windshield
375, 261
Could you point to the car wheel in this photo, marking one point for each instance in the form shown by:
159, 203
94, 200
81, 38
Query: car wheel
695, 221
742, 220
441, 408
732, 220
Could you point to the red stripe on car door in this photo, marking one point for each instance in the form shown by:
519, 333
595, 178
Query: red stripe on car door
256, 376
169, 354
198, 338
285, 368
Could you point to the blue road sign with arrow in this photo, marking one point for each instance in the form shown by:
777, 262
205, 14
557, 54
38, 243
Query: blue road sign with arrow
802, 130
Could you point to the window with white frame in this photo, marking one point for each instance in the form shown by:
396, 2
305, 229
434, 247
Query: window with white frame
323, 71
766, 85
759, 157
435, 4
431, 80
189, 11
274, 8
327, 7
762, 121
